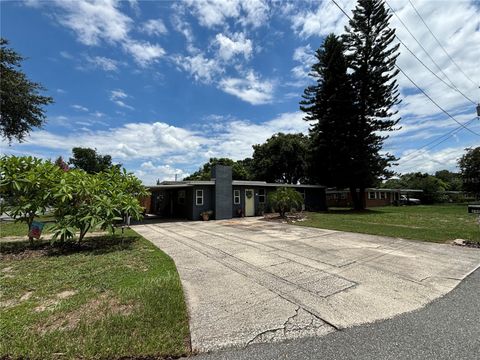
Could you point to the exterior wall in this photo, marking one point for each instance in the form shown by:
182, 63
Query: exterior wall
208, 201
335, 199
314, 199
239, 209
378, 201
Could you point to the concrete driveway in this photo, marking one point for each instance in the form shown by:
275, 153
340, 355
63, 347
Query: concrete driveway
251, 281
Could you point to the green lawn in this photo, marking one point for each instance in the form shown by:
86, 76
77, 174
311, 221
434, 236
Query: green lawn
11, 228
437, 223
106, 299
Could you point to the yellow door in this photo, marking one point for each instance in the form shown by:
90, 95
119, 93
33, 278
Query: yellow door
249, 202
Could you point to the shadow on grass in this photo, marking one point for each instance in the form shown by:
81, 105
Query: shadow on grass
348, 211
92, 245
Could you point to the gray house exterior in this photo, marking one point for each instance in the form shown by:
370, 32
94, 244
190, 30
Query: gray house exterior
225, 197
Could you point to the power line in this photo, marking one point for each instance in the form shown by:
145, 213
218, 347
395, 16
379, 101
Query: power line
438, 141
419, 88
439, 43
452, 86
435, 103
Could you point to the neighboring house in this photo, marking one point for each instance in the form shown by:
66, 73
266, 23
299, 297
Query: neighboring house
227, 198
373, 197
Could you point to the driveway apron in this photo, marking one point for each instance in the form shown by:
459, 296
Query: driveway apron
252, 281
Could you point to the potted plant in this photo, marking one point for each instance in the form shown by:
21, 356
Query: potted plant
206, 215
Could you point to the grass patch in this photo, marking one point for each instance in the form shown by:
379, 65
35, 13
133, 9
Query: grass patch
12, 228
108, 298
436, 223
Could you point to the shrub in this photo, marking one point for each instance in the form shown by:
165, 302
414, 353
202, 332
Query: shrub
95, 201
25, 184
284, 200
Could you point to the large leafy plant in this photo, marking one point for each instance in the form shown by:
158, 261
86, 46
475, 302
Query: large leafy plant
25, 186
284, 200
95, 201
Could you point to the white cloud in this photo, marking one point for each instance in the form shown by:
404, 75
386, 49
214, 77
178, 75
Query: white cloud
98, 22
213, 13
79, 107
326, 18
116, 97
103, 63
250, 89
201, 68
94, 22
305, 56
413, 160
150, 173
154, 27
143, 52
237, 44
164, 144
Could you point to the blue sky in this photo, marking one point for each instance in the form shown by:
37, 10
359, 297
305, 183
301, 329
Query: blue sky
163, 86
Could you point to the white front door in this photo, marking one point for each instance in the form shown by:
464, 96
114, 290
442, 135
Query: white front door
249, 202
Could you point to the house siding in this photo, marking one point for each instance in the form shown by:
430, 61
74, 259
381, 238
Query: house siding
208, 201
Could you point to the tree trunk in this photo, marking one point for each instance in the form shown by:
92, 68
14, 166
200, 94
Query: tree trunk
30, 221
83, 232
358, 198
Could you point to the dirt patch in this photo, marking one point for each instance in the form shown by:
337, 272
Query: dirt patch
26, 296
47, 305
26, 254
94, 310
288, 219
14, 302
66, 294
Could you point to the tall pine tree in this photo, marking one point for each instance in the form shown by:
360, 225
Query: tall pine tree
371, 55
330, 102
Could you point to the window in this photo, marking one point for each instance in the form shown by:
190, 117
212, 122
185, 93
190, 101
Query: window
372, 195
199, 197
261, 196
236, 197
343, 196
181, 197
383, 195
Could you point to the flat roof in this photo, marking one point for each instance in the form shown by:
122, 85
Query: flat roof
330, 191
186, 184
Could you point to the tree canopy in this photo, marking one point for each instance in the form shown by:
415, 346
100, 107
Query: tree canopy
330, 103
239, 170
282, 158
371, 57
89, 160
469, 165
21, 105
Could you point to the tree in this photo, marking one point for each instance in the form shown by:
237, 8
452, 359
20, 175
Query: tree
330, 103
88, 201
452, 180
433, 188
25, 186
371, 57
21, 105
282, 158
284, 200
61, 164
89, 160
469, 165
239, 171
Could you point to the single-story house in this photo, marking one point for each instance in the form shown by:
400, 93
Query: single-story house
373, 197
226, 198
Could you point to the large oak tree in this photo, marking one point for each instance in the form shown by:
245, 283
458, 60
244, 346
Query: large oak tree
21, 105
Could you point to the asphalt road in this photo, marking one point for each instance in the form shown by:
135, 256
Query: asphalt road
447, 328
